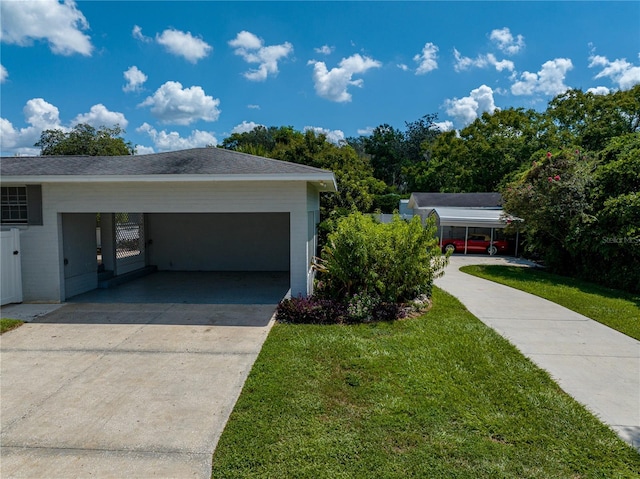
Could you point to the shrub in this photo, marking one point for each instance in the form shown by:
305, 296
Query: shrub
394, 262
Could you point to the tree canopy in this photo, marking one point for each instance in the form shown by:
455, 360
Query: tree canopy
83, 139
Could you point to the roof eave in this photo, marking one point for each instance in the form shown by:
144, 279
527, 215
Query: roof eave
324, 181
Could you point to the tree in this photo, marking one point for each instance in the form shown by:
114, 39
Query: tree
84, 139
354, 175
592, 120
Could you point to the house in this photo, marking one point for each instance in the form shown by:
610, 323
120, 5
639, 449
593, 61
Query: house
463, 216
203, 209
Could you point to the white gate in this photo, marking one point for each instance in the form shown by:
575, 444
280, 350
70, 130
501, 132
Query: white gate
11, 279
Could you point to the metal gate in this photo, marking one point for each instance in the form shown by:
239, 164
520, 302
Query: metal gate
11, 271
130, 242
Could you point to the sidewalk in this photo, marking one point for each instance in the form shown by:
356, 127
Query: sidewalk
595, 364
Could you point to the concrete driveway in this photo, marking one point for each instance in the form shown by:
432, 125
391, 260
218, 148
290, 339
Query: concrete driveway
130, 389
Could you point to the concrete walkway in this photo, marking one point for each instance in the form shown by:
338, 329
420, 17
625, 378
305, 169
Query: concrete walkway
595, 364
130, 389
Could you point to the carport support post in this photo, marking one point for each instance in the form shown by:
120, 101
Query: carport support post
108, 241
491, 243
466, 237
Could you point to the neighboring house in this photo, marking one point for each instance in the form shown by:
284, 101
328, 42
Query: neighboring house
465, 217
203, 209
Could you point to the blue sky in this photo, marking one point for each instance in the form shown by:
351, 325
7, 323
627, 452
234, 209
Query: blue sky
186, 74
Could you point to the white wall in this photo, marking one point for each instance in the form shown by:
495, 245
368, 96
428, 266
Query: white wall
219, 241
79, 253
42, 261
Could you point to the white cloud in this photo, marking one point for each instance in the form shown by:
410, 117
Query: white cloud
365, 131
465, 110
403, 67
548, 81
99, 116
144, 150
333, 136
184, 44
39, 115
253, 107
135, 79
60, 24
446, 125
4, 74
506, 41
173, 104
137, 34
427, 60
251, 48
599, 90
619, 71
245, 127
333, 84
481, 61
171, 141
324, 50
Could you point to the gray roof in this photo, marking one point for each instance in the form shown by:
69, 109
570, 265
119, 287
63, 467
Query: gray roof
196, 161
459, 200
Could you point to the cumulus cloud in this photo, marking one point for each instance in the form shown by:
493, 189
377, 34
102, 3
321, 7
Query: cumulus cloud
619, 71
39, 115
333, 84
506, 42
137, 34
245, 127
60, 24
599, 90
548, 81
99, 115
324, 50
481, 61
183, 44
403, 67
171, 141
446, 125
333, 136
252, 49
465, 110
427, 60
365, 131
144, 150
173, 104
4, 74
135, 79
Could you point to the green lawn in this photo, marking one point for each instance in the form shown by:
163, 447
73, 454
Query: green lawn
7, 324
440, 396
616, 309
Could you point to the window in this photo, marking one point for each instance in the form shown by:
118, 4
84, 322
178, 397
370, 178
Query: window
21, 205
14, 204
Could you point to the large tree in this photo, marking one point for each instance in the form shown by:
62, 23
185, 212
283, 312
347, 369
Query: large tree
84, 139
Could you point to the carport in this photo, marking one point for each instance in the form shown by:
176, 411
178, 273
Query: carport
199, 210
452, 222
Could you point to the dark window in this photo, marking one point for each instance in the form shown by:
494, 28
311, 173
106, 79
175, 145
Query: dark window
21, 205
14, 204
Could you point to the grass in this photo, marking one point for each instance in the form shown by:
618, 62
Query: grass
437, 396
616, 309
7, 324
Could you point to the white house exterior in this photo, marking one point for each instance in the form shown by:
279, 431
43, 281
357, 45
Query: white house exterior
205, 209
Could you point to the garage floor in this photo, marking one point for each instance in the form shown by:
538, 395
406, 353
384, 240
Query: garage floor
134, 381
195, 287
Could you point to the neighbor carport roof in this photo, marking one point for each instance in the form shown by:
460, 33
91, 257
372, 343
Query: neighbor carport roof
185, 165
473, 217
